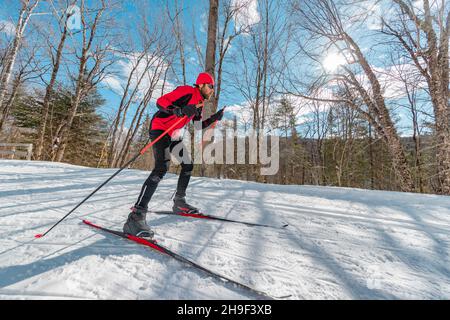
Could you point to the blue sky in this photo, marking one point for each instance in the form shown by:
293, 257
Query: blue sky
193, 12
196, 13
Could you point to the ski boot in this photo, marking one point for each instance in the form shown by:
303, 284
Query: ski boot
180, 206
136, 224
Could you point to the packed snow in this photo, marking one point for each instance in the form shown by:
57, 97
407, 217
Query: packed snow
341, 243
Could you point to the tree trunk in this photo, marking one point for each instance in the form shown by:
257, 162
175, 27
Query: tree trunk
85, 78
63, 134
24, 16
210, 62
210, 59
371, 159
377, 104
436, 72
48, 93
439, 91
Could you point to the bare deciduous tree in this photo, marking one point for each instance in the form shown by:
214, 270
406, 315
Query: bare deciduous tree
425, 37
27, 69
322, 20
92, 65
26, 11
147, 66
56, 57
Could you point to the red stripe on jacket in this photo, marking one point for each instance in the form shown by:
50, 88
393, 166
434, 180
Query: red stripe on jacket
180, 97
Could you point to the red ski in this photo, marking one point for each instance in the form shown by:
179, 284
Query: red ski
155, 246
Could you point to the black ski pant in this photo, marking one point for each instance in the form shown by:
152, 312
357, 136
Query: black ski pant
161, 151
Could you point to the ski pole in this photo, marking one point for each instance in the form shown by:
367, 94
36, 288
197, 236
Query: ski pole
115, 174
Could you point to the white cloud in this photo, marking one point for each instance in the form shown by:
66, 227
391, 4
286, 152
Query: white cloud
7, 27
147, 74
193, 60
374, 15
244, 115
391, 79
366, 14
113, 83
247, 15
302, 108
419, 8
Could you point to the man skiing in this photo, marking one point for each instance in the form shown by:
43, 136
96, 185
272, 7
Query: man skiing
184, 101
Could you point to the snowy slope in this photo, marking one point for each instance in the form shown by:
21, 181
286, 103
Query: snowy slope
341, 243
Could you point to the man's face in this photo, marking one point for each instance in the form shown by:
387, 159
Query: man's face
206, 90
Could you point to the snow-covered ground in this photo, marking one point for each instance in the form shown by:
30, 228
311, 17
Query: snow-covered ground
341, 243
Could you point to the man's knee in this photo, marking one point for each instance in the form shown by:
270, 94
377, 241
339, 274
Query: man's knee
158, 173
154, 179
186, 169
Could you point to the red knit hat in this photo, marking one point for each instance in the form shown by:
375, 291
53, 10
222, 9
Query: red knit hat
204, 78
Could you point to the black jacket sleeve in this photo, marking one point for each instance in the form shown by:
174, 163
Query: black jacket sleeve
207, 123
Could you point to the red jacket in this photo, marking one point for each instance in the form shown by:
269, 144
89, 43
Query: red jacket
178, 98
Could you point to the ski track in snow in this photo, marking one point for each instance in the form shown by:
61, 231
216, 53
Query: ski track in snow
341, 243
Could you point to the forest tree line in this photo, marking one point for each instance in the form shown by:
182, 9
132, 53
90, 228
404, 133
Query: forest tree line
358, 91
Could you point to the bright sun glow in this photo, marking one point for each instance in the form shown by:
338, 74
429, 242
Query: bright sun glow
332, 62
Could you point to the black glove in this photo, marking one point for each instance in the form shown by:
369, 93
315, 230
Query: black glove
217, 116
177, 112
189, 110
